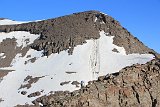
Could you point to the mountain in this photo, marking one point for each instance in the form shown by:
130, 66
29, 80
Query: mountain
43, 58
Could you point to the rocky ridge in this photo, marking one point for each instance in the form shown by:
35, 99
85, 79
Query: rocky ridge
69, 31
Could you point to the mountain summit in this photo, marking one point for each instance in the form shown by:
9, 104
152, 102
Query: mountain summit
45, 57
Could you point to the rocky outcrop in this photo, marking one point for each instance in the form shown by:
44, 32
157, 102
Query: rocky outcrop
29, 80
34, 94
133, 86
10, 49
69, 31
4, 73
2, 18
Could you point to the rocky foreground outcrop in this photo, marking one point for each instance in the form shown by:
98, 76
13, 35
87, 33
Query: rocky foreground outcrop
133, 86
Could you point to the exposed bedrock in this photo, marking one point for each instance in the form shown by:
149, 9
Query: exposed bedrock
69, 31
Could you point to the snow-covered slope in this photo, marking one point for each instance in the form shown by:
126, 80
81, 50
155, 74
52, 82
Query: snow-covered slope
9, 22
12, 22
88, 61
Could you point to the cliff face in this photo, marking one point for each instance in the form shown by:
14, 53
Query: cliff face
133, 86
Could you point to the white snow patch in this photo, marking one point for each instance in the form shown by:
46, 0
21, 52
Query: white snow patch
102, 22
10, 22
22, 38
95, 19
104, 13
90, 60
2, 55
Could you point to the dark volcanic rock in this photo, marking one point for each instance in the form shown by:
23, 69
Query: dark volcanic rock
4, 73
2, 18
76, 83
1, 100
64, 83
61, 33
134, 86
10, 50
34, 94
115, 50
30, 80
23, 92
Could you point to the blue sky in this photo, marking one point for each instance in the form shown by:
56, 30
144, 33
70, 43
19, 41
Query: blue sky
140, 17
